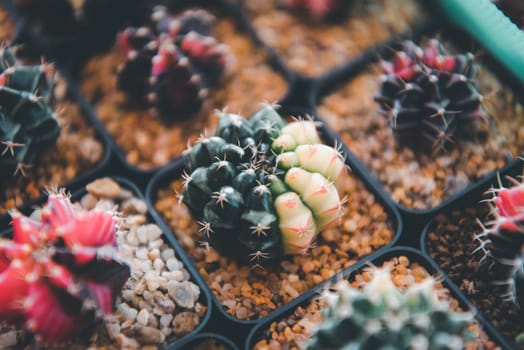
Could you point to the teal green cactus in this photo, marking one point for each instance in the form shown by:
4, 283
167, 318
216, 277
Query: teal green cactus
261, 188
27, 121
381, 316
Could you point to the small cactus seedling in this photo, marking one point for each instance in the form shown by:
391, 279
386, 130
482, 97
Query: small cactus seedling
502, 239
318, 9
381, 316
262, 188
428, 95
27, 120
58, 274
174, 65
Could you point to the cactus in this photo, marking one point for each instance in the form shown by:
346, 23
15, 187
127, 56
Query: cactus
59, 274
381, 316
502, 239
318, 9
173, 66
261, 188
27, 121
429, 96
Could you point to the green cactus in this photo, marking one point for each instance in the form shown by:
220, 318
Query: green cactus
27, 122
262, 188
383, 317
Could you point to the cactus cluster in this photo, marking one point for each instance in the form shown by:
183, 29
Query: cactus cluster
502, 239
317, 9
429, 96
261, 188
27, 119
173, 65
60, 273
381, 316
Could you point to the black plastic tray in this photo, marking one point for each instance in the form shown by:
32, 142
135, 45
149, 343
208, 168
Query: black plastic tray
302, 96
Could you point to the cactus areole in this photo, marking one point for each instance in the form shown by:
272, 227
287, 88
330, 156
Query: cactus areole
261, 188
503, 240
27, 120
429, 96
60, 273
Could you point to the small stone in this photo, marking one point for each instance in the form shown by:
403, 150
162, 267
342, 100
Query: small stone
185, 294
185, 322
148, 335
165, 320
104, 188
134, 206
173, 264
176, 275
168, 254
157, 243
88, 201
158, 264
8, 339
128, 312
164, 302
141, 253
143, 317
113, 329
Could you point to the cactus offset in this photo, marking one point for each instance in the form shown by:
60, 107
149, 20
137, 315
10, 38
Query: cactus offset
261, 188
58, 274
503, 240
429, 96
174, 65
27, 121
381, 316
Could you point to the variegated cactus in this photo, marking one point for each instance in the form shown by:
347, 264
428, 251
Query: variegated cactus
261, 188
60, 273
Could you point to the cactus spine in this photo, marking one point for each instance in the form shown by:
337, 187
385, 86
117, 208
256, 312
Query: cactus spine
381, 316
262, 188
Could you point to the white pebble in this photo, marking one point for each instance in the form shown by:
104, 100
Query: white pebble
165, 320
158, 264
184, 294
176, 275
127, 311
8, 339
143, 317
141, 254
157, 243
173, 264
168, 254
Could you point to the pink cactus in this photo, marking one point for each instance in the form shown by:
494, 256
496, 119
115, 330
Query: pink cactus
174, 66
318, 9
58, 274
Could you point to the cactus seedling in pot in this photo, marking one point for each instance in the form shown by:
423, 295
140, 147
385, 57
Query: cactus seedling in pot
172, 66
60, 273
381, 316
429, 96
502, 239
27, 120
261, 188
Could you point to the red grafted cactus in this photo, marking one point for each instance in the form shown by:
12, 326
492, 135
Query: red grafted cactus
429, 96
502, 239
60, 273
173, 65
317, 9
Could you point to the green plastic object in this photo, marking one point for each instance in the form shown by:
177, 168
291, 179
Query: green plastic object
488, 25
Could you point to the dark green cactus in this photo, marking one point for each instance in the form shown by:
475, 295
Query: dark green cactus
261, 188
381, 317
27, 121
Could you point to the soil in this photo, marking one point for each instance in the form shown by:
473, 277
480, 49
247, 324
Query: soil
249, 292
294, 331
421, 180
312, 47
7, 27
147, 314
452, 244
250, 81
